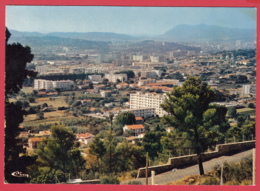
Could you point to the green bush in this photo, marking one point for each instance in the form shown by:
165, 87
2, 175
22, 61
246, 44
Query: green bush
109, 179
134, 174
135, 182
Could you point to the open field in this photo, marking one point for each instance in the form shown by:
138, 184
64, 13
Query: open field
58, 102
27, 89
49, 117
247, 111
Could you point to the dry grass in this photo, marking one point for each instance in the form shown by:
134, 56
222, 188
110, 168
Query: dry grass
58, 102
125, 176
244, 110
186, 181
27, 89
49, 117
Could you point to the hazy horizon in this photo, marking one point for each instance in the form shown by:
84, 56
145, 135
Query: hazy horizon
123, 20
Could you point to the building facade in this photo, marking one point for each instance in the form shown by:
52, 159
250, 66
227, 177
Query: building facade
142, 112
114, 77
249, 89
148, 100
50, 85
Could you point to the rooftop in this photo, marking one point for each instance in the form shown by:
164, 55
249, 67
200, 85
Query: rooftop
139, 126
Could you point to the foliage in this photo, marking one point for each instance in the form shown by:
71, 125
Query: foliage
59, 152
251, 105
16, 58
97, 147
236, 172
40, 115
245, 131
31, 99
134, 182
152, 144
232, 112
125, 118
46, 175
189, 109
109, 179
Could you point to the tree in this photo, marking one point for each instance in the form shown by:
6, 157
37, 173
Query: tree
97, 148
16, 58
40, 115
232, 112
151, 143
125, 118
251, 105
31, 99
187, 105
110, 145
59, 151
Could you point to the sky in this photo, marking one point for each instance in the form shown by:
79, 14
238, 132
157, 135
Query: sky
123, 20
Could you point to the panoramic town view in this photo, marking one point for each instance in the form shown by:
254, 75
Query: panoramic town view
132, 96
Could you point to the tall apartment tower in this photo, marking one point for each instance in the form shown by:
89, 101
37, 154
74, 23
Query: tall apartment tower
148, 100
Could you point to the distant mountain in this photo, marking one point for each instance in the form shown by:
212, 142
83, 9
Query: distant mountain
208, 33
93, 36
178, 33
97, 36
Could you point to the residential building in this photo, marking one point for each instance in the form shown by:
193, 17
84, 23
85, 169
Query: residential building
141, 112
95, 78
148, 100
149, 64
114, 77
50, 85
139, 120
122, 85
85, 138
105, 93
33, 142
137, 129
249, 89
42, 69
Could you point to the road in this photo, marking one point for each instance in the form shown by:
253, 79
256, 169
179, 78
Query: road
170, 176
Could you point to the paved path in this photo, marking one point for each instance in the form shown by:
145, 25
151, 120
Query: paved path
171, 176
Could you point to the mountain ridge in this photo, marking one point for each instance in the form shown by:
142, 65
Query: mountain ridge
183, 32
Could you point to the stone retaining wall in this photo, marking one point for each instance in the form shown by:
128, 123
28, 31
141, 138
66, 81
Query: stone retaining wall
189, 160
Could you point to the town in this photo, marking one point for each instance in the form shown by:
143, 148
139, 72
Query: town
95, 111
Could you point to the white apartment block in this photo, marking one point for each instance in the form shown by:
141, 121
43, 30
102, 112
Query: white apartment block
114, 77
95, 78
42, 69
140, 58
154, 58
148, 100
50, 85
249, 89
149, 64
77, 70
151, 73
141, 112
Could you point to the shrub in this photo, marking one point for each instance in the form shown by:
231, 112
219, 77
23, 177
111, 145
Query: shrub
251, 105
109, 179
134, 174
135, 182
211, 181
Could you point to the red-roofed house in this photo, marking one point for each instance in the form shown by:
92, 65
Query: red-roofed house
33, 142
122, 85
139, 120
137, 129
85, 138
